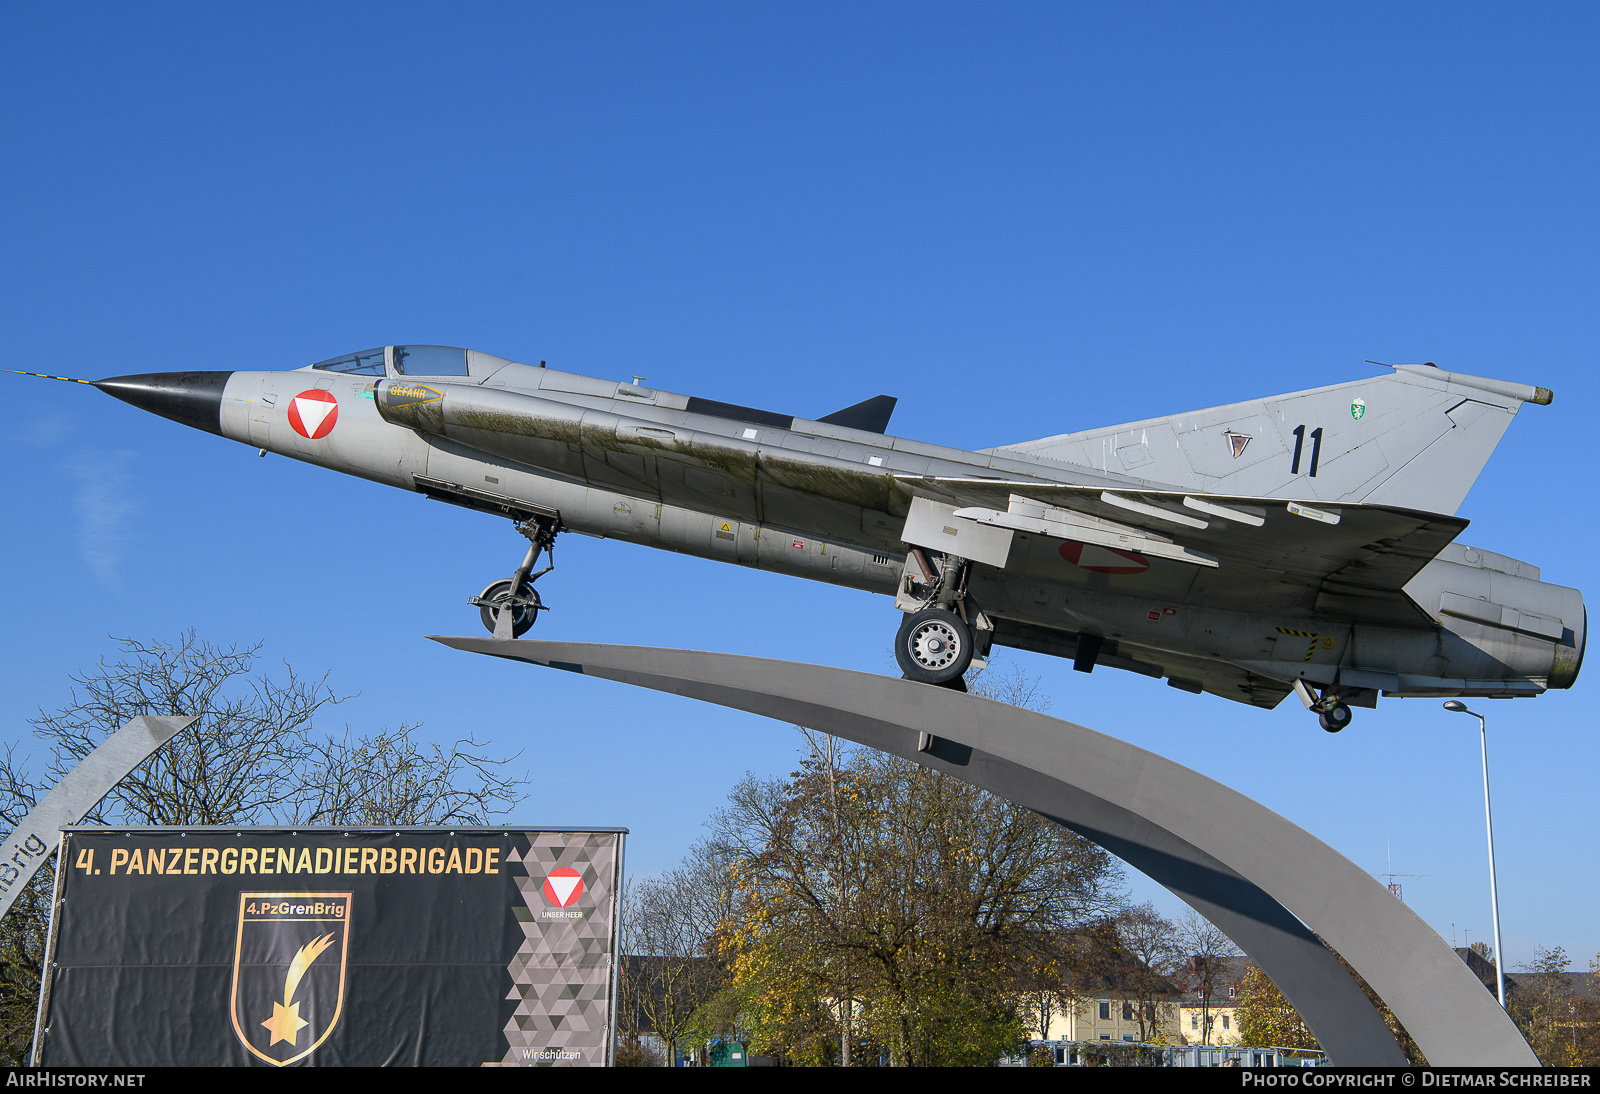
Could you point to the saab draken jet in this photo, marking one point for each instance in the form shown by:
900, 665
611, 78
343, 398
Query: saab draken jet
1300, 544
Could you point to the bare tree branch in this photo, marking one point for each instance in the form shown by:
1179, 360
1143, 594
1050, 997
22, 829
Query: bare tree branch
252, 757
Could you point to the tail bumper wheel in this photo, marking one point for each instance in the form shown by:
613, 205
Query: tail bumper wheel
524, 611
1336, 717
933, 646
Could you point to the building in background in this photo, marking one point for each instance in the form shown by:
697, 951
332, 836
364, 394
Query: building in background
1115, 997
1208, 1010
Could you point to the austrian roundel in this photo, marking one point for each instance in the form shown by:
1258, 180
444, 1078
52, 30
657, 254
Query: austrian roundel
313, 413
563, 886
1103, 560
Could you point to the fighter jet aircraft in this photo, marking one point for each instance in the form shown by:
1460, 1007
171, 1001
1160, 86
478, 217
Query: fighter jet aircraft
1303, 543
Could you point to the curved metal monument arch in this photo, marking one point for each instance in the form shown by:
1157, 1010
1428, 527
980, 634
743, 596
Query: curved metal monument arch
80, 790
1259, 878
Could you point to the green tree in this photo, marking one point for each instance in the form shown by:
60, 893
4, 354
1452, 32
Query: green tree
22, 939
870, 879
1264, 1014
672, 925
1587, 1034
1545, 1008
1266, 1018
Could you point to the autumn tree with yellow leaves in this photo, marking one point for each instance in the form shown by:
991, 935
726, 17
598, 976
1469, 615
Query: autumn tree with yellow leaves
1267, 1018
883, 905
1561, 1022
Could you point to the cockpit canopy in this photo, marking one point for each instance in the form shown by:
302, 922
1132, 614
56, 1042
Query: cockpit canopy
400, 361
369, 362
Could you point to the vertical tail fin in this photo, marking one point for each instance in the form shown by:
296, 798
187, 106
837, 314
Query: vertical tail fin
1415, 439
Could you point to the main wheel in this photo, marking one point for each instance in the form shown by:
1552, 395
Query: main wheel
933, 646
1336, 717
522, 616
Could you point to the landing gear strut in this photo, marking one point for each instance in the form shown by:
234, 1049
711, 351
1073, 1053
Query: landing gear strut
509, 608
940, 634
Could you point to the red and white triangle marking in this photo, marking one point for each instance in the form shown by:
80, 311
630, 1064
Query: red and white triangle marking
563, 886
1104, 560
313, 413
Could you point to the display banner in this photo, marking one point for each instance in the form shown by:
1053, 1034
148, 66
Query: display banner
332, 947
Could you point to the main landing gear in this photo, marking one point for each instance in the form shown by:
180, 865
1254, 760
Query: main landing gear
938, 639
509, 607
934, 646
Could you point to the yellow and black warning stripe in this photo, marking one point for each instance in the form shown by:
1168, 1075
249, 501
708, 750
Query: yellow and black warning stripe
1312, 645
44, 376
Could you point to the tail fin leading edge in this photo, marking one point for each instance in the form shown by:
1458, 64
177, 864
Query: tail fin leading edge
1415, 439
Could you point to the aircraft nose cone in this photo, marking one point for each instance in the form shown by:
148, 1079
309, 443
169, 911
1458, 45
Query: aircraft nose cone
192, 398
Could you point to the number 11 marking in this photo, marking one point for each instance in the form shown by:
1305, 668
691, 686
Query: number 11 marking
1299, 445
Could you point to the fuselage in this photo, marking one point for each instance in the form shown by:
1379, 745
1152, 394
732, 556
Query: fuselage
829, 502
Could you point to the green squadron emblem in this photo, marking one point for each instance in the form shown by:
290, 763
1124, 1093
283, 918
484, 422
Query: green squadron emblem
1357, 409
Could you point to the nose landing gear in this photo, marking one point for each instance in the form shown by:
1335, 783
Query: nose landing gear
509, 607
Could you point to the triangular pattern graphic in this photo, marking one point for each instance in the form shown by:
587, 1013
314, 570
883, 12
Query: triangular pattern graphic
564, 966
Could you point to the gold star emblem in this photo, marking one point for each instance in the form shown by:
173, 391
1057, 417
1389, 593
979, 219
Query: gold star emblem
285, 1023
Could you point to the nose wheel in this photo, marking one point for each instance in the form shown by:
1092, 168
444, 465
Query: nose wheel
523, 604
509, 607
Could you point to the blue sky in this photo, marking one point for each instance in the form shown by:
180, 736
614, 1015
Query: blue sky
1021, 219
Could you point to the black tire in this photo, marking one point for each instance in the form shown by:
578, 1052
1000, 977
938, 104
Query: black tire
522, 619
933, 646
1336, 717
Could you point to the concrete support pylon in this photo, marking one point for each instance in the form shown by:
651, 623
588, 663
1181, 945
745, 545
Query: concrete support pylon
1265, 882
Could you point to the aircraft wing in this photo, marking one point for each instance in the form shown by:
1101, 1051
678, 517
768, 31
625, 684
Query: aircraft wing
1353, 560
1187, 673
1227, 680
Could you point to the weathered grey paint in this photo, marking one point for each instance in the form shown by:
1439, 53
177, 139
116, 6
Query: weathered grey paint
1191, 547
1258, 877
26, 849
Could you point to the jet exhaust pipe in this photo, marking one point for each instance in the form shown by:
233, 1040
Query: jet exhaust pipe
1500, 620
190, 398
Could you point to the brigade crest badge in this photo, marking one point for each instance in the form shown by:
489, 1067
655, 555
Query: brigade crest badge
289, 972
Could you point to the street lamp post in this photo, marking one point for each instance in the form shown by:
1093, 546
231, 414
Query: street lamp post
1458, 707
